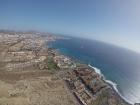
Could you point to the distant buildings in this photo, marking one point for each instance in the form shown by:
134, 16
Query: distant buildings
63, 62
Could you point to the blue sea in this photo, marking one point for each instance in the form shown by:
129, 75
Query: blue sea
118, 65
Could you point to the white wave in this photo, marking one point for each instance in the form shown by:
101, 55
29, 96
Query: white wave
108, 81
96, 69
113, 84
116, 89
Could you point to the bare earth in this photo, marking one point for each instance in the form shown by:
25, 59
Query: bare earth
25, 84
34, 90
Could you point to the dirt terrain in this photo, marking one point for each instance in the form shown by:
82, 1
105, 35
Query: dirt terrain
28, 86
33, 88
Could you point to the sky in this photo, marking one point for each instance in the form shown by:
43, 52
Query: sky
112, 21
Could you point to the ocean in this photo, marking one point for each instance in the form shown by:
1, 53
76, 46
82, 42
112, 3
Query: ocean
119, 66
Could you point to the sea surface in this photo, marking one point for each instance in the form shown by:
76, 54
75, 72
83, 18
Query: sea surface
120, 67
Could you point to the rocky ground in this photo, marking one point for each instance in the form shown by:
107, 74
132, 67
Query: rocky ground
33, 88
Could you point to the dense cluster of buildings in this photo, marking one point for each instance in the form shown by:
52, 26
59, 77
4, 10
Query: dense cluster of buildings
63, 62
85, 83
22, 50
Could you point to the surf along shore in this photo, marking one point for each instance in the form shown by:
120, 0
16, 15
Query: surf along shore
32, 74
88, 85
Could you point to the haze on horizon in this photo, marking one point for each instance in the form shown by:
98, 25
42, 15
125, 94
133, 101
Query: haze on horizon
111, 21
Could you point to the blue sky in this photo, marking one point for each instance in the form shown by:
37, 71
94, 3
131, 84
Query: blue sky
112, 21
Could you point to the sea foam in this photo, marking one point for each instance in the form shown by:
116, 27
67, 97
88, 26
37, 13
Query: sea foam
113, 84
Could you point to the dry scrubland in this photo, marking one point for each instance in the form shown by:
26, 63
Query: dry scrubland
28, 89
22, 82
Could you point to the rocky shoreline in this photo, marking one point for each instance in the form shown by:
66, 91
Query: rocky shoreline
33, 74
92, 84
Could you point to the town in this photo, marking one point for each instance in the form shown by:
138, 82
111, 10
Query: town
33, 74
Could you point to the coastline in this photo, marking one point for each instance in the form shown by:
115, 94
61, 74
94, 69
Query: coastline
39, 63
110, 83
28, 75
